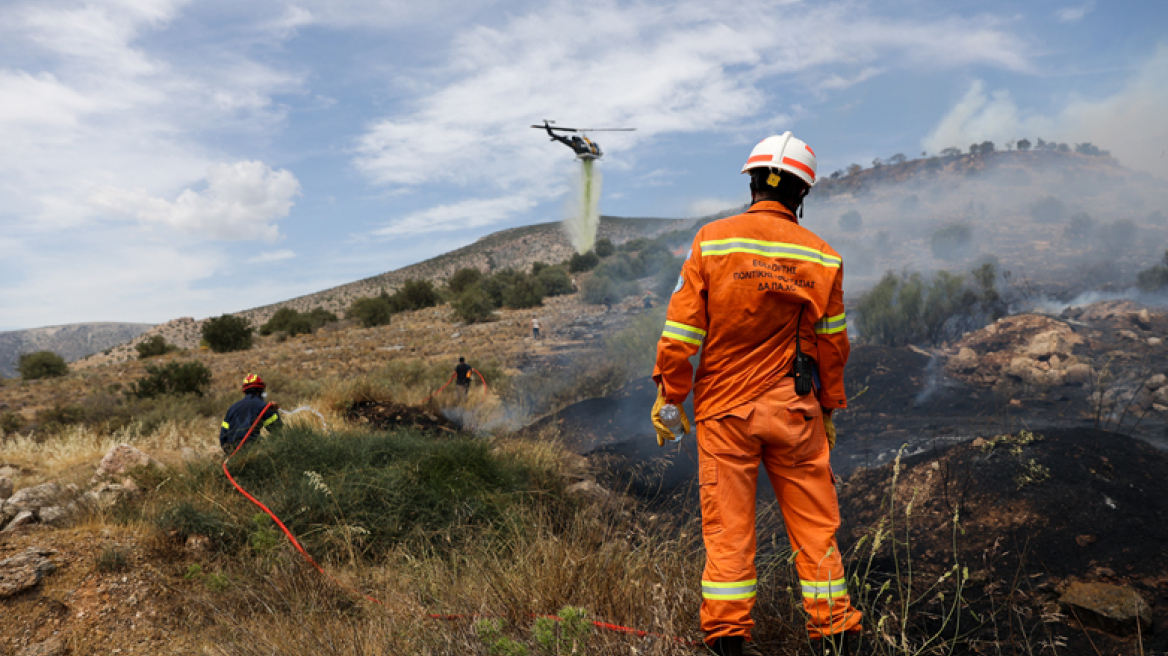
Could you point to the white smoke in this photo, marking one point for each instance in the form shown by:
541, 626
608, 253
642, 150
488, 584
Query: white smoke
583, 213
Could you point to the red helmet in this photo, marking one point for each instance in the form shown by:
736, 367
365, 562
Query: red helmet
253, 382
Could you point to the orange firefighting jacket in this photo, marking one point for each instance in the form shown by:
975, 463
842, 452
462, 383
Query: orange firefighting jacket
738, 299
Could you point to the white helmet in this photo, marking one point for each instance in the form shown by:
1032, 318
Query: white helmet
786, 153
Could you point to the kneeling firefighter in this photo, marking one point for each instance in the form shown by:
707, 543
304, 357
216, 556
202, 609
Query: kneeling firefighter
762, 298
242, 414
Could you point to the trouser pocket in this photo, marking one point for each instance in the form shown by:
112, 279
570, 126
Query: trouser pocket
711, 497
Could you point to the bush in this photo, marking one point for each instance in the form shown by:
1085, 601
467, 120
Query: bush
463, 279
598, 289
1154, 278
10, 422
586, 262
525, 292
416, 295
42, 364
153, 346
851, 221
554, 280
473, 305
292, 322
906, 309
371, 311
604, 247
175, 378
1048, 209
951, 241
227, 333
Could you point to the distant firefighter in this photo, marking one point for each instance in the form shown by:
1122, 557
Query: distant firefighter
534, 328
242, 414
761, 298
462, 376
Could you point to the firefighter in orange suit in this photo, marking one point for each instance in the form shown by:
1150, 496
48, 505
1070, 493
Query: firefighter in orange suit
754, 290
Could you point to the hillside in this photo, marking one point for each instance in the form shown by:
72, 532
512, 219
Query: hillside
72, 342
516, 248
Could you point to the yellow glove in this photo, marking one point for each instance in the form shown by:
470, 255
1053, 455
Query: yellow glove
829, 426
664, 434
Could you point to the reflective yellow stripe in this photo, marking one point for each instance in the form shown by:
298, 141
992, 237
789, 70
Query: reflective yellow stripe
227, 425
729, 591
825, 590
769, 249
685, 333
269, 420
831, 325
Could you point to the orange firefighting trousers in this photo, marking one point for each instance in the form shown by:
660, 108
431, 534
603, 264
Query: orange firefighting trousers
785, 431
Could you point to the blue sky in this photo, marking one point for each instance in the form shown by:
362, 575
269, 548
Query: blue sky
163, 158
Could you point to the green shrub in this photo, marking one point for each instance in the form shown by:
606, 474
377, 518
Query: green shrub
292, 322
463, 279
112, 559
416, 295
633, 244
174, 378
906, 309
42, 364
586, 262
537, 267
54, 418
371, 311
951, 241
227, 333
10, 422
604, 247
554, 280
1155, 277
598, 289
851, 221
525, 292
473, 305
153, 346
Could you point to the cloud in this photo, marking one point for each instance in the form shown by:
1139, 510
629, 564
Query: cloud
682, 68
1072, 14
1129, 123
464, 215
240, 202
272, 256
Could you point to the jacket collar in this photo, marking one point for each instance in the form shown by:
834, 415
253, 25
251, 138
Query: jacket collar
774, 207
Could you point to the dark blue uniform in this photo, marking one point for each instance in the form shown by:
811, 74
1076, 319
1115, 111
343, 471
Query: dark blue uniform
240, 417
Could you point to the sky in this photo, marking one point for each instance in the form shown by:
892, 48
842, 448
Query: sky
169, 158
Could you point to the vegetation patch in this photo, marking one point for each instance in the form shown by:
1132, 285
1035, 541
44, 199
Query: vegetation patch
42, 364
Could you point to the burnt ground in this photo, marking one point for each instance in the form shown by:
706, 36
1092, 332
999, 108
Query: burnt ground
1034, 515
392, 416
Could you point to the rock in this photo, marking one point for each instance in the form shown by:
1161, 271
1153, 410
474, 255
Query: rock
590, 489
120, 460
51, 647
1077, 374
1084, 540
1113, 608
24, 570
198, 544
1050, 342
1143, 319
979, 443
57, 515
1127, 334
107, 495
32, 498
5, 488
1159, 408
1156, 382
965, 360
1154, 341
1161, 396
23, 518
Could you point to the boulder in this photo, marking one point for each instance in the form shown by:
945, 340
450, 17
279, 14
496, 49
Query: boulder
1143, 319
5, 488
51, 647
590, 489
23, 518
1154, 341
57, 515
1116, 609
32, 498
107, 495
1052, 342
1077, 374
1156, 382
1161, 396
119, 461
1127, 334
965, 360
24, 570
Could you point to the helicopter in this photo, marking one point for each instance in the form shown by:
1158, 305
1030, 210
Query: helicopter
586, 149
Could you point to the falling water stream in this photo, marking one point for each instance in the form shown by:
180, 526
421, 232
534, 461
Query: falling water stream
583, 212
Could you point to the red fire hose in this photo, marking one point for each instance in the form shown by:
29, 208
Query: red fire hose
450, 380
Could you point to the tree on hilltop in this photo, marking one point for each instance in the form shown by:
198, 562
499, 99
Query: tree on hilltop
1023, 144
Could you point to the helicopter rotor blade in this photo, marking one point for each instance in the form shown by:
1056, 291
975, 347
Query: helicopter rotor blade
553, 127
606, 129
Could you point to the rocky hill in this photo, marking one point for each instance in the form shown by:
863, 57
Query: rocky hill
72, 342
